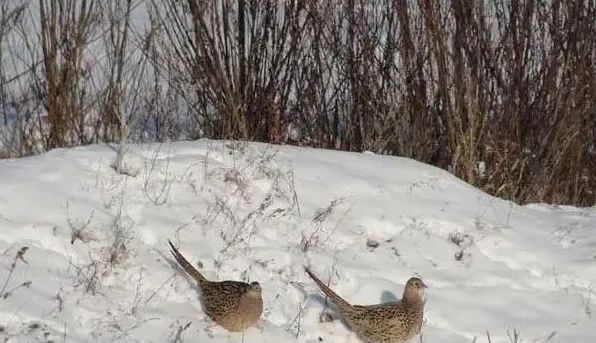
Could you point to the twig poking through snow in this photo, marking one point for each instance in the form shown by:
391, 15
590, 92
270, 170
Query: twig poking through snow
18, 256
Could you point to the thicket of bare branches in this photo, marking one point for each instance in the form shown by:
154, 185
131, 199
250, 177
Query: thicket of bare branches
501, 93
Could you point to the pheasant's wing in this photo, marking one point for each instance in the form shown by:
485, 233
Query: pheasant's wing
222, 298
375, 318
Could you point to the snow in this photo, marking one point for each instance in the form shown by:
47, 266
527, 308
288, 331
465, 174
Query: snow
98, 267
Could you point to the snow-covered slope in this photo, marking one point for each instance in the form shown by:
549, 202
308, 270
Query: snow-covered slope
97, 267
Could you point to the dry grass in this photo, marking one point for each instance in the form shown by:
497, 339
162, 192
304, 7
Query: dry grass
6, 292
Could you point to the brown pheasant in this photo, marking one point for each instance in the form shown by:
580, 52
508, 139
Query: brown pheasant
392, 322
235, 305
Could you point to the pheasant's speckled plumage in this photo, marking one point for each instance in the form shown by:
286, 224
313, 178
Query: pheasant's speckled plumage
392, 322
235, 305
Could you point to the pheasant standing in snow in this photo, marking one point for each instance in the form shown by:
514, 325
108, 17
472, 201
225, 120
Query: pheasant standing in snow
235, 305
392, 322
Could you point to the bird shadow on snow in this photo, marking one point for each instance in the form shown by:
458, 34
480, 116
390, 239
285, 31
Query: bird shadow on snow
388, 296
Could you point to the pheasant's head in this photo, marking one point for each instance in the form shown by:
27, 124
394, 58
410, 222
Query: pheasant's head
414, 290
254, 289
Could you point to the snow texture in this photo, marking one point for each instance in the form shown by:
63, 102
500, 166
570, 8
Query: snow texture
97, 266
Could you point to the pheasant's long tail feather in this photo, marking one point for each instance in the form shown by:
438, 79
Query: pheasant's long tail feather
339, 301
192, 271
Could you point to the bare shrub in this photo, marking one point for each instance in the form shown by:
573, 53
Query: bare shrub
62, 87
120, 97
499, 93
237, 73
13, 141
165, 108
